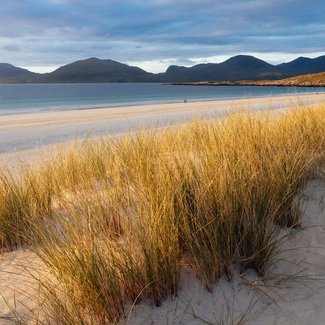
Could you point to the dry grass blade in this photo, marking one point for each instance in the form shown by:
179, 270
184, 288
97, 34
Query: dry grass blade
115, 220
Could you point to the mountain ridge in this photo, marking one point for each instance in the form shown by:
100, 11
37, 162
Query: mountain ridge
9, 73
236, 68
96, 70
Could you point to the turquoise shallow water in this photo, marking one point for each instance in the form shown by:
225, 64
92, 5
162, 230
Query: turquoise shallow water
21, 98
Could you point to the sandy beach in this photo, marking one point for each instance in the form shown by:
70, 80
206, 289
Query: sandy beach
293, 292
162, 162
21, 132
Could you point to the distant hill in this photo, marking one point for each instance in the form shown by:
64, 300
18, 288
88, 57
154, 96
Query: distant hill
240, 67
237, 68
10, 73
96, 70
306, 80
303, 66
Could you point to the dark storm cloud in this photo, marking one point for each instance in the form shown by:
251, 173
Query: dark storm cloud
53, 32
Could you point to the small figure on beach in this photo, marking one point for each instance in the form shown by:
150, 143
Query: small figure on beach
185, 100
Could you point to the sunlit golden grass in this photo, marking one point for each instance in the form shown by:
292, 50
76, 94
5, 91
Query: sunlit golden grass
115, 221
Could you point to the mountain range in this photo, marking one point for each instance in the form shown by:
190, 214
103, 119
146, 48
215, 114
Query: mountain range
240, 67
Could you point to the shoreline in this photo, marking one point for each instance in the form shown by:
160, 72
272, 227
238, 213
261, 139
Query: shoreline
292, 290
245, 84
21, 133
110, 112
29, 110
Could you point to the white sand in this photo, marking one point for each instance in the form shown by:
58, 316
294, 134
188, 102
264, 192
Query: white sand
19, 289
21, 132
39, 119
293, 293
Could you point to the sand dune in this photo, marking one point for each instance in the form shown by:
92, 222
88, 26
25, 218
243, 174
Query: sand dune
292, 293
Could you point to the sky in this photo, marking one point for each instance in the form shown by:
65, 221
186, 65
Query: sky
42, 35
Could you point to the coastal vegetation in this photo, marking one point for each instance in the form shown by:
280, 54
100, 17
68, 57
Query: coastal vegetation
308, 80
116, 220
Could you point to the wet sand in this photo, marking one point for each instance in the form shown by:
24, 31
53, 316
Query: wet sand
21, 132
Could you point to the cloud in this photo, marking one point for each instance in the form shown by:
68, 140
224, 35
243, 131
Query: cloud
55, 32
10, 48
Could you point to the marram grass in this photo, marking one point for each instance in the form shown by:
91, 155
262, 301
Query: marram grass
115, 220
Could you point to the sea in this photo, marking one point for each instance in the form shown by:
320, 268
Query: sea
24, 98
27, 98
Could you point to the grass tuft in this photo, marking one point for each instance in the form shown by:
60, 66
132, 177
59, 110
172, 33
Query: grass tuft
115, 220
